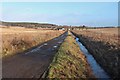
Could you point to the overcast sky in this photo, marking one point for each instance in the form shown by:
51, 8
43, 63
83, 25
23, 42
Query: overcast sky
62, 13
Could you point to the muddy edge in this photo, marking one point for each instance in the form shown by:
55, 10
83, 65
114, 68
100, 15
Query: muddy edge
99, 51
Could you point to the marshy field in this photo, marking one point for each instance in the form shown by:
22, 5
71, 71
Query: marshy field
103, 44
57, 53
19, 39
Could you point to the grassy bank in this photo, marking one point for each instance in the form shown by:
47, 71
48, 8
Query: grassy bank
104, 48
69, 62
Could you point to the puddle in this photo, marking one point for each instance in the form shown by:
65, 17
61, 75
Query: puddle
55, 46
96, 68
36, 49
45, 44
40, 46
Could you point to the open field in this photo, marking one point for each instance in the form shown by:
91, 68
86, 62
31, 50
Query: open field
107, 35
109, 31
104, 46
18, 39
69, 62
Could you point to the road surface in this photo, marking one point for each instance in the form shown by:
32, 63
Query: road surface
33, 63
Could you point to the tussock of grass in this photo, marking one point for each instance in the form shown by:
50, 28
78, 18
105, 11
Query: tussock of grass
69, 62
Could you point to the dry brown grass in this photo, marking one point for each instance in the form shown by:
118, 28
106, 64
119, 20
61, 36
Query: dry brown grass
17, 39
104, 45
109, 31
107, 35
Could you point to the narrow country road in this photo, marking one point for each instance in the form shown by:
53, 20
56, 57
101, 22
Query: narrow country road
33, 63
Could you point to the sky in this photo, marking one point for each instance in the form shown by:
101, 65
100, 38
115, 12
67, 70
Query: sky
62, 13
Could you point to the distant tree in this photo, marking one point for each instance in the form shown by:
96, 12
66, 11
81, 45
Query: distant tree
83, 26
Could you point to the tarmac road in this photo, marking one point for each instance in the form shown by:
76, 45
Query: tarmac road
33, 63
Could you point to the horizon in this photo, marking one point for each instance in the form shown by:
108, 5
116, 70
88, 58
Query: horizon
62, 13
60, 25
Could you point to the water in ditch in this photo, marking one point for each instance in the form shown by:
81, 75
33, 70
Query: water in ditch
97, 70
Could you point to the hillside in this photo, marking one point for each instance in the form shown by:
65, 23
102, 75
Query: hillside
28, 24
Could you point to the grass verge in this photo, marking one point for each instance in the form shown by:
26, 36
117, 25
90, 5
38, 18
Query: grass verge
69, 62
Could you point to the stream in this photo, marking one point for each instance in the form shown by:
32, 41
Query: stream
96, 68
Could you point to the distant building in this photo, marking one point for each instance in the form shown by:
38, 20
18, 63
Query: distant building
61, 29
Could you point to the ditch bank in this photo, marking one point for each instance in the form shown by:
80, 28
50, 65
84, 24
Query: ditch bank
69, 62
107, 56
97, 70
